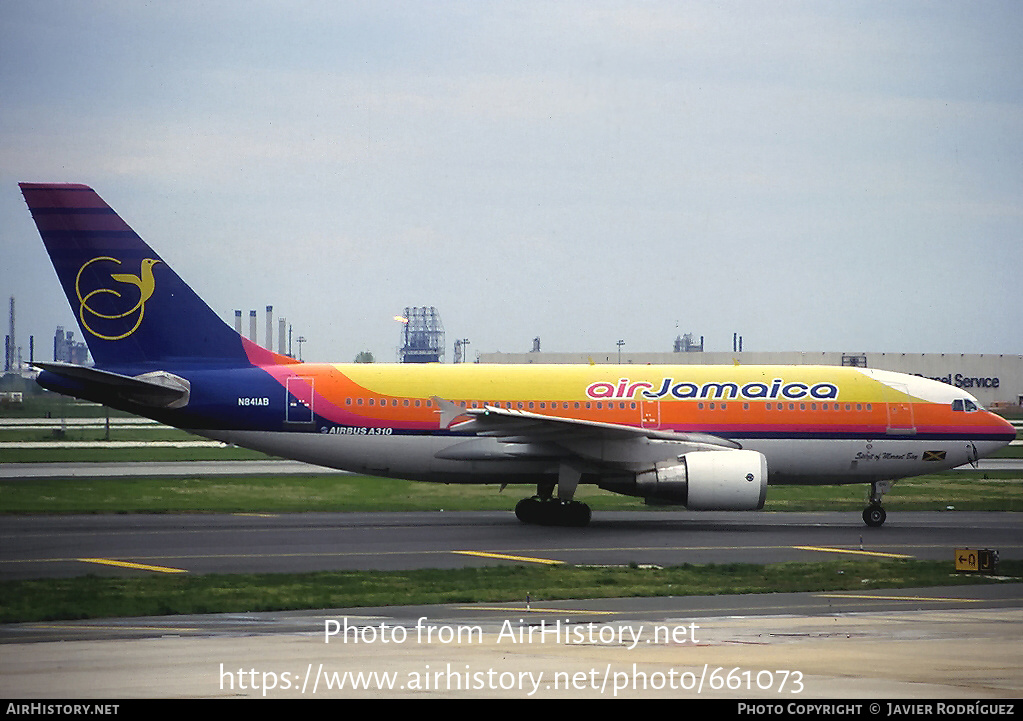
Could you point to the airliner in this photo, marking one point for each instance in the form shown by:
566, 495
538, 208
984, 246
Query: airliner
700, 436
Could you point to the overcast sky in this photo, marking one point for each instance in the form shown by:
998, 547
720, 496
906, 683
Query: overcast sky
838, 176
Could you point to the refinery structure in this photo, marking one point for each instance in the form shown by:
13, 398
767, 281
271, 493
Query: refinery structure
422, 335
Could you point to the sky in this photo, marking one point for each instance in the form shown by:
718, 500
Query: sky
816, 176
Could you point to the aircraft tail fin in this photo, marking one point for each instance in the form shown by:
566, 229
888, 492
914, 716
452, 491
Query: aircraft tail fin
133, 309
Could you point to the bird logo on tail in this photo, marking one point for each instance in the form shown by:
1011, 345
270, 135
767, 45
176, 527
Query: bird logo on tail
92, 304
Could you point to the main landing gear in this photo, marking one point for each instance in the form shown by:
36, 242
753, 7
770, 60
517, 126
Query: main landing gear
552, 512
873, 514
545, 510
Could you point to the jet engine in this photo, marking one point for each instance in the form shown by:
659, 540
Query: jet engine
708, 481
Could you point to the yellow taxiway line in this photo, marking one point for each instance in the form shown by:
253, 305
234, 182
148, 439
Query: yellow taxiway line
896, 598
129, 564
847, 550
530, 609
528, 559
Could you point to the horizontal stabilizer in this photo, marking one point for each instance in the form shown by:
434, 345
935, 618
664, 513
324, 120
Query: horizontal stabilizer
158, 389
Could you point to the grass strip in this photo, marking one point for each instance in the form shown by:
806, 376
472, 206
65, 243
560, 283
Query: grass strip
962, 490
99, 597
226, 453
139, 454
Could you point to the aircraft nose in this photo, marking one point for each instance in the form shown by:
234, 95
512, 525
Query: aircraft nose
1005, 428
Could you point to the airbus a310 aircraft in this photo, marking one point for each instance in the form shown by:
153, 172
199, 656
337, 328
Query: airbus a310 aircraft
706, 437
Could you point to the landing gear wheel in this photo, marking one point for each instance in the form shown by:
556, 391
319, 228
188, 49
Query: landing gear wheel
551, 512
576, 513
874, 515
528, 510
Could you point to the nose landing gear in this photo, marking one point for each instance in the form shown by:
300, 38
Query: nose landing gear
874, 515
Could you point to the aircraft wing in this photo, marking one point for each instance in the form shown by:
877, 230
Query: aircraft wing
518, 433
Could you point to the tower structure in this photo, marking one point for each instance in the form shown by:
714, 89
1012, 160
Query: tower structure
422, 335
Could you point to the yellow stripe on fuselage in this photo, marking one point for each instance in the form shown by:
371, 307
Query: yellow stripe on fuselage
640, 383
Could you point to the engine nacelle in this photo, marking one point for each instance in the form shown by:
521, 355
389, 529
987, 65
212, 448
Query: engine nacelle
708, 481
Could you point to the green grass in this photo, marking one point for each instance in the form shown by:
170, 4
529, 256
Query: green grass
964, 490
41, 404
95, 597
116, 455
278, 494
72, 434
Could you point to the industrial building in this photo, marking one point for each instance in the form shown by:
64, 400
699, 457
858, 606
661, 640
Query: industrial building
422, 335
995, 380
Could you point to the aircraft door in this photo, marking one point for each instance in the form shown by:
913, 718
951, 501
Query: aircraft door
300, 400
650, 414
900, 409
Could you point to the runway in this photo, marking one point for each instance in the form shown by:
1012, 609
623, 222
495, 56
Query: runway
62, 546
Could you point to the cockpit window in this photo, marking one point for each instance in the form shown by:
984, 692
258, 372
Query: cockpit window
964, 404
970, 405
957, 404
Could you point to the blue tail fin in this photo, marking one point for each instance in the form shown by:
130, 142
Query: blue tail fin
134, 311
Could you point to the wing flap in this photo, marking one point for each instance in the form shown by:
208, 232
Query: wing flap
526, 426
